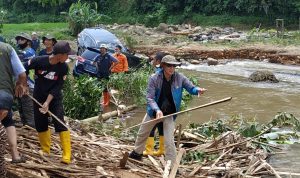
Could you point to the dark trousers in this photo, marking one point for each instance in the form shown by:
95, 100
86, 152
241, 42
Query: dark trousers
26, 109
160, 128
8, 120
41, 120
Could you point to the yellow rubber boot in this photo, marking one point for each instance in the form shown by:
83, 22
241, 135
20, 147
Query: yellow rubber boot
65, 139
161, 149
45, 141
149, 146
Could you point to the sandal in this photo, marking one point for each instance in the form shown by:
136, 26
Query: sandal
21, 160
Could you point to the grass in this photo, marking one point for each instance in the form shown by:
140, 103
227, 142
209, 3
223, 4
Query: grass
59, 30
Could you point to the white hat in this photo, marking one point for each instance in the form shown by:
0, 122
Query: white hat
103, 46
33, 33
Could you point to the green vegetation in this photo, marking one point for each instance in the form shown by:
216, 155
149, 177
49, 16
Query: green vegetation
59, 30
82, 15
237, 13
82, 97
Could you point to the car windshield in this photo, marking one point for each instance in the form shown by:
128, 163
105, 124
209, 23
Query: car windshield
89, 55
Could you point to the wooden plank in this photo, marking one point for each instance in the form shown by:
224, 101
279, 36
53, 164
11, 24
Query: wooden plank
155, 163
167, 169
176, 163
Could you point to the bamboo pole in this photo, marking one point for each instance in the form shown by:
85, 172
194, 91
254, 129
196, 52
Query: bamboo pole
181, 112
108, 115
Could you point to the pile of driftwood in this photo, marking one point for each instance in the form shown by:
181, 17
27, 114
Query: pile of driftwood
236, 156
100, 156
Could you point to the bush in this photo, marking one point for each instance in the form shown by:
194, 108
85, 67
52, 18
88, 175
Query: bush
82, 96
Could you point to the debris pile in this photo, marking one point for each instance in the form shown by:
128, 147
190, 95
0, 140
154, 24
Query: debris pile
93, 155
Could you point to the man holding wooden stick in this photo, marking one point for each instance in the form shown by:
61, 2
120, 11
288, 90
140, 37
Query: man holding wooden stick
51, 72
164, 95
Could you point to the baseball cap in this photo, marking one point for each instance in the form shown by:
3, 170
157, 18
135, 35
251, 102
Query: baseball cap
49, 37
62, 47
6, 100
23, 35
159, 55
169, 59
33, 33
103, 46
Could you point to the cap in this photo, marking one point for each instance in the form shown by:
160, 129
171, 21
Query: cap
159, 55
168, 59
119, 46
6, 100
33, 33
61, 47
103, 46
23, 35
49, 37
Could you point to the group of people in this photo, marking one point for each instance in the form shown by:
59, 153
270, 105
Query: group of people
45, 84
164, 95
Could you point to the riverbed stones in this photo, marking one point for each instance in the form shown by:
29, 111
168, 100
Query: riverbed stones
194, 61
212, 62
264, 75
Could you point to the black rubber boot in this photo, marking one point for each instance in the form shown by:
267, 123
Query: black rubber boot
135, 155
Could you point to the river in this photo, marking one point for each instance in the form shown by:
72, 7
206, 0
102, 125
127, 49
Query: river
260, 100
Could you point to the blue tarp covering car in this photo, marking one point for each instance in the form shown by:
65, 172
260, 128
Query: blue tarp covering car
89, 41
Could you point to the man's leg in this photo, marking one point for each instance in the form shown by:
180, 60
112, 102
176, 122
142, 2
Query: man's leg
11, 136
2, 151
142, 136
12, 141
169, 126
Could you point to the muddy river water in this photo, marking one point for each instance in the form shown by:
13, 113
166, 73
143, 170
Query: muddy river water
260, 100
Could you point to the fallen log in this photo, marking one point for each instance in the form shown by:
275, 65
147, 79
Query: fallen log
106, 116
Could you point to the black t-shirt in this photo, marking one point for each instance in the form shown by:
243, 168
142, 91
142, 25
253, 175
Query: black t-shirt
165, 101
49, 79
44, 52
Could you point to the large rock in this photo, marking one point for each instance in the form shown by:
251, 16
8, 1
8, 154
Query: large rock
212, 62
264, 75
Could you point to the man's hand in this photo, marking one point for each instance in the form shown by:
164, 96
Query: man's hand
201, 91
45, 108
21, 85
159, 114
21, 90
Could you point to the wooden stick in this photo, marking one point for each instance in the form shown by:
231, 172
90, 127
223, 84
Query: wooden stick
156, 164
181, 112
123, 161
177, 162
167, 169
179, 136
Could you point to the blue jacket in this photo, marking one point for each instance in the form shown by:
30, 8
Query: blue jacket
154, 89
25, 55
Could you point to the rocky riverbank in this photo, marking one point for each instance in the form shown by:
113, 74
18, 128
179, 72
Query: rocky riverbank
199, 43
